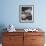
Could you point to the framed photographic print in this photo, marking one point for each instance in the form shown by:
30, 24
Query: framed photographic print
26, 13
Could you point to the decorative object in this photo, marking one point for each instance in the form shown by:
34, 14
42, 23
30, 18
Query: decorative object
32, 30
11, 28
26, 13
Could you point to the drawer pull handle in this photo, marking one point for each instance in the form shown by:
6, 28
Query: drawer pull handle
33, 39
10, 38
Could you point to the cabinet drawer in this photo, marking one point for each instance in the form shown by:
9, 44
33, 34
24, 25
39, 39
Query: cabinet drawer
34, 33
20, 44
13, 33
12, 39
37, 39
37, 44
33, 40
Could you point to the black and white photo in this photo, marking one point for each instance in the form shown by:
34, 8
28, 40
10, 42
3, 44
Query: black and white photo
26, 13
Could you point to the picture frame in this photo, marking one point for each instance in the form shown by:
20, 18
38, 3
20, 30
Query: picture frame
26, 13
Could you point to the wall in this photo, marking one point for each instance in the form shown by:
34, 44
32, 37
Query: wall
9, 13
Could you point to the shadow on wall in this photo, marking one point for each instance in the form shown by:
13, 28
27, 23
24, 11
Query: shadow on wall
2, 26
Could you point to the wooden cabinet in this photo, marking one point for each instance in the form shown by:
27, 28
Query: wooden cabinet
23, 39
34, 39
12, 39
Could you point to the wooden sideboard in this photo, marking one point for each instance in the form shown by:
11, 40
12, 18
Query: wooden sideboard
23, 39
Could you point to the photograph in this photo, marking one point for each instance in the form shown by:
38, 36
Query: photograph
26, 13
